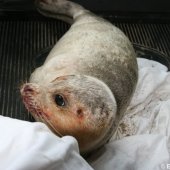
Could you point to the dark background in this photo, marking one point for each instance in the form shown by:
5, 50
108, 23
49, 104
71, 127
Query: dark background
155, 6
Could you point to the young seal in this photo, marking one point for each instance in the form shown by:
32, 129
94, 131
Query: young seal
87, 80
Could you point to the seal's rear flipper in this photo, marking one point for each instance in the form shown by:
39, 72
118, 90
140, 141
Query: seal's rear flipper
60, 9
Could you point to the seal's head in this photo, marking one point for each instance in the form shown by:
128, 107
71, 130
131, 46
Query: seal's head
76, 105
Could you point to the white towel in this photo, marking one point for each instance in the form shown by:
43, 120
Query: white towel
141, 141
32, 146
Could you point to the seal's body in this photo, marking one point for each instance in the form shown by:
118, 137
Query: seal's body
87, 80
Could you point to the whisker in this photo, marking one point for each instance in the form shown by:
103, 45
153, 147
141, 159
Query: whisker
41, 118
55, 130
45, 120
37, 118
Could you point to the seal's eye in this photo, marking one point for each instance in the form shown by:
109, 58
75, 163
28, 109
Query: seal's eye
59, 100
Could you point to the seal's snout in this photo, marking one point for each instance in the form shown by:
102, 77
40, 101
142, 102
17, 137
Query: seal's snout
29, 88
29, 93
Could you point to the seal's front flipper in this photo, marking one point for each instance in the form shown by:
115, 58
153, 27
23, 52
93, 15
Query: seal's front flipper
60, 9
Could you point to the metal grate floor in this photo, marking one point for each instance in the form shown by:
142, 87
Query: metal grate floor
22, 39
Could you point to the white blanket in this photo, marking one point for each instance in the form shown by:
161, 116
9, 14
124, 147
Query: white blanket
141, 141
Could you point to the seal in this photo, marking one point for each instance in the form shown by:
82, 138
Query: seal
87, 80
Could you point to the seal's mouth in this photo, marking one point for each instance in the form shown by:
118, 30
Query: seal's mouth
29, 95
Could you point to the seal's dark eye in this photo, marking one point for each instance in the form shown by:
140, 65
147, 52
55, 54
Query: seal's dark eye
59, 100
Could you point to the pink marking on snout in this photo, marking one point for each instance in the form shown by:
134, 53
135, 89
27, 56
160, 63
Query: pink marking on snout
27, 88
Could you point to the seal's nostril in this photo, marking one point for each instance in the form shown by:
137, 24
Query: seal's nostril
27, 88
